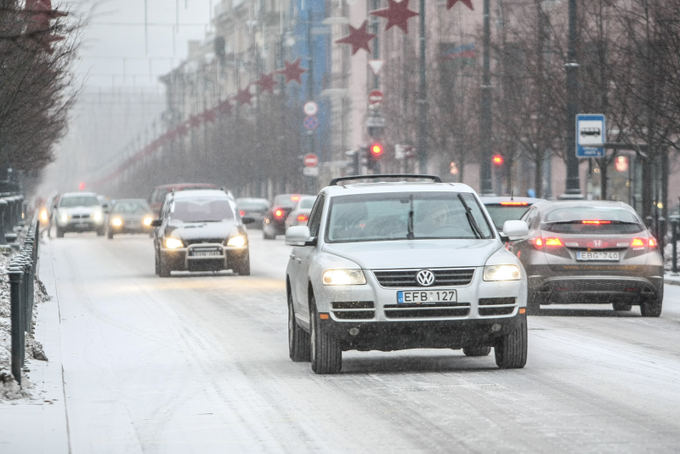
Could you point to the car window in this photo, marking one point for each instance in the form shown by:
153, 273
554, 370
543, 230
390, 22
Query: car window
246, 204
426, 215
315, 216
499, 213
202, 210
306, 203
131, 207
286, 200
79, 201
591, 219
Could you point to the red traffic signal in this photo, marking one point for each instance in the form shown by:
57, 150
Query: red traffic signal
376, 151
497, 159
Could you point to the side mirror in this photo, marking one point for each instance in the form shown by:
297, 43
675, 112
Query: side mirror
156, 223
247, 220
298, 235
514, 230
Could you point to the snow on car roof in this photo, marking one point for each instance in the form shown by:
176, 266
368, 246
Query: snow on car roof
395, 186
201, 193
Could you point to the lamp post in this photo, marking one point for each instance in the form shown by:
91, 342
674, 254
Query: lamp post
422, 95
485, 124
573, 183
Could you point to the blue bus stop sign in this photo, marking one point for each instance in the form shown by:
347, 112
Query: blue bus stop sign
591, 135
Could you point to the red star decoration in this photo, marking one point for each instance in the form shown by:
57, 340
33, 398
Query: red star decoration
450, 3
243, 96
224, 107
292, 71
396, 13
266, 82
358, 38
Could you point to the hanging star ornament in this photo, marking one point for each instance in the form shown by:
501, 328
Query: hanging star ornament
266, 82
292, 71
468, 3
243, 96
396, 13
358, 38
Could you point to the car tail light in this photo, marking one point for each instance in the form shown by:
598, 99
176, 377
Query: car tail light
548, 243
241, 213
652, 242
595, 222
640, 243
302, 218
295, 198
278, 213
514, 204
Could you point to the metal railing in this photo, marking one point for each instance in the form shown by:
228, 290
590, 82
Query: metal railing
22, 271
11, 215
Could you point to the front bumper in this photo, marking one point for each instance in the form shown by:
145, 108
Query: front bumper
203, 257
80, 226
390, 336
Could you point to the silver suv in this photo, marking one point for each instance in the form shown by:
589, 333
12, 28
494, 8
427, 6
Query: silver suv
413, 263
78, 212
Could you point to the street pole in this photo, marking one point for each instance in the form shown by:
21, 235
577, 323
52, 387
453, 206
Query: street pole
309, 181
422, 96
485, 124
573, 184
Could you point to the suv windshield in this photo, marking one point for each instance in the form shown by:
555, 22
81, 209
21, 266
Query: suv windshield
202, 210
79, 201
131, 207
424, 215
591, 219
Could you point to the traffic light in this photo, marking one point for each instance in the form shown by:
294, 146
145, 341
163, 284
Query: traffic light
497, 160
375, 154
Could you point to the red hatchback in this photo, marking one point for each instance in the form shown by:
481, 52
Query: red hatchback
590, 252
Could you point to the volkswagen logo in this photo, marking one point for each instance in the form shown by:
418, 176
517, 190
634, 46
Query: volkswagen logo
425, 278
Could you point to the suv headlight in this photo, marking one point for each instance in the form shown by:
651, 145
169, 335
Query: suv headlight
502, 273
343, 277
63, 218
117, 221
237, 241
98, 216
173, 243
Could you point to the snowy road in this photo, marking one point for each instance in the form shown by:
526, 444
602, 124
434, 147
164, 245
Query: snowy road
200, 364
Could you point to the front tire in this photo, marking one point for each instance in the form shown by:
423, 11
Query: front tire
511, 349
651, 307
60, 233
163, 267
109, 234
100, 232
242, 266
298, 339
326, 354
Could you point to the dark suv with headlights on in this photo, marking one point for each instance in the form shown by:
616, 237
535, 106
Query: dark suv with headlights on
590, 252
200, 230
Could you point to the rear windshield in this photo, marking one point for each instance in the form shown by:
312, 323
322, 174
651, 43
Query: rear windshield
425, 215
499, 213
591, 219
202, 210
252, 204
286, 200
79, 201
131, 207
307, 203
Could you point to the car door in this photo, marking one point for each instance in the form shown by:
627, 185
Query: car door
302, 255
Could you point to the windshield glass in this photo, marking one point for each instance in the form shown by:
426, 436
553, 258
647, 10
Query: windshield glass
499, 214
131, 207
591, 219
426, 215
252, 204
286, 200
202, 210
307, 203
79, 201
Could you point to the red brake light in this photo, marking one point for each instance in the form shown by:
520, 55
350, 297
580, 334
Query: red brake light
537, 242
241, 213
294, 198
595, 222
278, 213
514, 204
553, 242
652, 242
637, 243
302, 218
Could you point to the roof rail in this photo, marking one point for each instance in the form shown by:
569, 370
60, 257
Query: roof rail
389, 176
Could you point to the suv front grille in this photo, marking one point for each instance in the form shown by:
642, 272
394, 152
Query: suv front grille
427, 310
204, 240
80, 216
407, 278
353, 310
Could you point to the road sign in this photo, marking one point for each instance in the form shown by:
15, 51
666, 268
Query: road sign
311, 160
375, 121
310, 171
591, 135
310, 108
311, 122
376, 65
375, 97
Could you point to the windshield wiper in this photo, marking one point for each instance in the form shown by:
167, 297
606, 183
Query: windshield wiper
409, 234
470, 217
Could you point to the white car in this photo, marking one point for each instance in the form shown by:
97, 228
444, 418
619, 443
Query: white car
78, 212
389, 265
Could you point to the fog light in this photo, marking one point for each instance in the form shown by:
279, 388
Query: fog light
353, 331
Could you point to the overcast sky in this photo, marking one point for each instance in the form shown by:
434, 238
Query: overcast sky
114, 50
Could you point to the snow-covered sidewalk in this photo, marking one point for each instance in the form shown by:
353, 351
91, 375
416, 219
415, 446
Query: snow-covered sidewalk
34, 419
